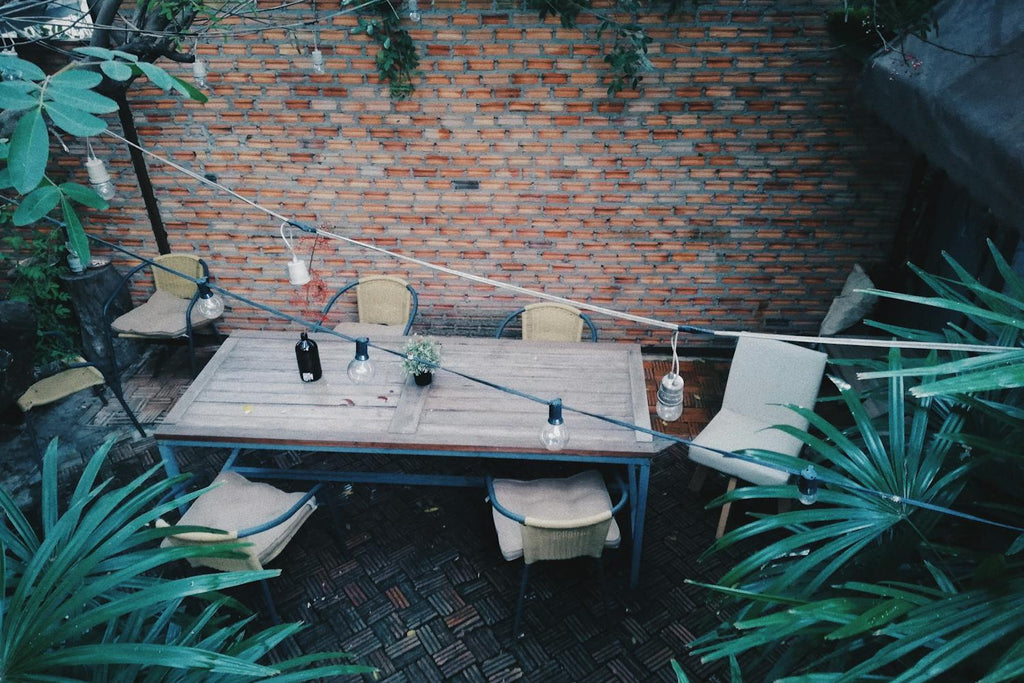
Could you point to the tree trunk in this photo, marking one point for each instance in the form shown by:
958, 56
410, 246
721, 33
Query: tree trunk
89, 290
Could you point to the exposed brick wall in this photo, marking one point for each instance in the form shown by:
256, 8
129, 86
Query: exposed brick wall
735, 190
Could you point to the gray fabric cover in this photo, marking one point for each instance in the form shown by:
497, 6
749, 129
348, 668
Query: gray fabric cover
765, 375
238, 504
850, 307
162, 316
577, 497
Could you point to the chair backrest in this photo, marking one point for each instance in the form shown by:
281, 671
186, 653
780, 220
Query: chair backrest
552, 541
766, 374
384, 300
551, 321
186, 264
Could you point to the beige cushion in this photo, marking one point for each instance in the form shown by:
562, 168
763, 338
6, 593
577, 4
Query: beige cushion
59, 386
238, 504
730, 431
162, 316
578, 497
850, 307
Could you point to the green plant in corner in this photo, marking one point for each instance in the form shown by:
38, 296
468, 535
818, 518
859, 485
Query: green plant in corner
83, 597
865, 585
36, 263
397, 59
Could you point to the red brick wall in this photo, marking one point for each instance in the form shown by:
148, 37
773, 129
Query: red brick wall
735, 190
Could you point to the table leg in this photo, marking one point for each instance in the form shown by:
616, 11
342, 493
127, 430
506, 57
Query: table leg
639, 486
172, 470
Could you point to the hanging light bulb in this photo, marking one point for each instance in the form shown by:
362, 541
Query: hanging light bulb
199, 72
670, 391
210, 304
808, 485
317, 58
298, 273
555, 435
99, 178
414, 11
360, 369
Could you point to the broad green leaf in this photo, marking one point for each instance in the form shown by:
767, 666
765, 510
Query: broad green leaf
84, 195
158, 76
76, 234
36, 204
104, 53
5, 178
189, 90
86, 100
878, 615
116, 71
77, 79
74, 121
15, 96
30, 151
28, 70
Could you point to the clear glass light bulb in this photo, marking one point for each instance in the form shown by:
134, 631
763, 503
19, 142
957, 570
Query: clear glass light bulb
414, 10
670, 397
360, 369
210, 305
318, 61
199, 72
10, 74
99, 178
554, 435
808, 486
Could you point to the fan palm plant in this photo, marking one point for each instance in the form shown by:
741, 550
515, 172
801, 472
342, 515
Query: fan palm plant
877, 580
83, 598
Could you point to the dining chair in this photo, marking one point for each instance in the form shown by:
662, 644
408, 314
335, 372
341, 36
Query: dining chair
551, 321
553, 519
171, 312
233, 509
78, 376
380, 300
764, 377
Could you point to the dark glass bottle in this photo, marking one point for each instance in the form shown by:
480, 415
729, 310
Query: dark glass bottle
308, 357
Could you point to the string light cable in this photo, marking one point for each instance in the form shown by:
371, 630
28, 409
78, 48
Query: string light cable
498, 284
824, 476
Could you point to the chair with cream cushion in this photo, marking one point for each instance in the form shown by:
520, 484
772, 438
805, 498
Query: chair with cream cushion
765, 376
551, 321
381, 300
264, 517
553, 519
171, 311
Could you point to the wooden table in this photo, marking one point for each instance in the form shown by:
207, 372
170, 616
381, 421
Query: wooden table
250, 396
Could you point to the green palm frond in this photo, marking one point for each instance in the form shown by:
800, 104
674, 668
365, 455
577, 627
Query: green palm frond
85, 598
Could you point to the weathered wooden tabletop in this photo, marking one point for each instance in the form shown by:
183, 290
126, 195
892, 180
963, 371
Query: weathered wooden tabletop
251, 392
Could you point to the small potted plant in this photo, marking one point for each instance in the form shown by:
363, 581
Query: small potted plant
422, 355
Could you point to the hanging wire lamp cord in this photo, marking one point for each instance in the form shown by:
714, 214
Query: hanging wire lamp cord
823, 475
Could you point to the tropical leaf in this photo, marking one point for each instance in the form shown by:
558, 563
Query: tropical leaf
84, 100
27, 69
84, 597
74, 121
189, 90
83, 195
77, 79
30, 151
36, 204
116, 70
14, 96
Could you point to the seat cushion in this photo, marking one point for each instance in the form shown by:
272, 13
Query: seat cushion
162, 316
59, 386
373, 331
730, 431
579, 496
238, 504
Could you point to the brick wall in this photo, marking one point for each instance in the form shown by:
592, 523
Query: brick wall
735, 190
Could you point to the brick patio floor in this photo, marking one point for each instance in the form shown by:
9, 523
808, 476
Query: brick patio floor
415, 585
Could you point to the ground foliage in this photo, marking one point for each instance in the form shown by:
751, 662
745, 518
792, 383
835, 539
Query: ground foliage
85, 596
863, 585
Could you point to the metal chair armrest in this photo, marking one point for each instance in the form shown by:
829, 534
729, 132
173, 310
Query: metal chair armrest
498, 506
283, 517
508, 319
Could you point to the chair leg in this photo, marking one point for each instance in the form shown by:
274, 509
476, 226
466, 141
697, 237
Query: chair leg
516, 633
604, 588
115, 386
725, 509
697, 480
269, 600
192, 355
